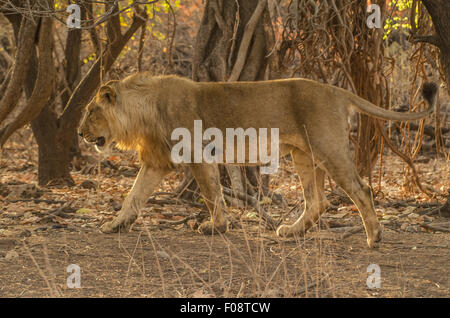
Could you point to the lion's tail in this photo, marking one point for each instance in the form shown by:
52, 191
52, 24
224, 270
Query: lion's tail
429, 93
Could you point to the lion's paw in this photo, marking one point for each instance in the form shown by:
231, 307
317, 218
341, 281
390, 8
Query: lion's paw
289, 230
209, 228
109, 227
375, 242
284, 231
117, 225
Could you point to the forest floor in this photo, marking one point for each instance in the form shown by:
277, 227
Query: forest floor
44, 230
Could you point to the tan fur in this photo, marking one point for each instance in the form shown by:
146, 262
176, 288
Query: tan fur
140, 112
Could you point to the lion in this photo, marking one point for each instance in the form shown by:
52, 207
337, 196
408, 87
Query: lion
141, 111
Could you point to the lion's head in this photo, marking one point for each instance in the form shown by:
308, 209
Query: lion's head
95, 126
130, 113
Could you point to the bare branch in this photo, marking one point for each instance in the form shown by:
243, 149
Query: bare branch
23, 52
404, 157
41, 92
246, 39
412, 17
86, 88
141, 46
8, 7
431, 39
172, 39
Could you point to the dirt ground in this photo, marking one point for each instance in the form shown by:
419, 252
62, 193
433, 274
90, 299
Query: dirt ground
44, 230
184, 264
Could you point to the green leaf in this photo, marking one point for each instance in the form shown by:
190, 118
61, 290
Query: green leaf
84, 211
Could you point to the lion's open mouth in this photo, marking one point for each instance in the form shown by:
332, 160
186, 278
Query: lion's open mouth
100, 142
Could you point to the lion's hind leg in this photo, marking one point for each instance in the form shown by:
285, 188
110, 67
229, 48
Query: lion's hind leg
341, 168
208, 179
313, 183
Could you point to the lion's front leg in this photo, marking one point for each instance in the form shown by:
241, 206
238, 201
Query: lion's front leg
146, 181
208, 179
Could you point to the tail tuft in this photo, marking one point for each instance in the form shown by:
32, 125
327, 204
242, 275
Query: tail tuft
429, 92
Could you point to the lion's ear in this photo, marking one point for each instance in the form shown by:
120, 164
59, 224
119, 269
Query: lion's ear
107, 94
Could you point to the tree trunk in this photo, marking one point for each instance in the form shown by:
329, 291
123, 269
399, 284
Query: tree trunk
55, 134
439, 11
229, 48
73, 74
217, 45
54, 159
51, 163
